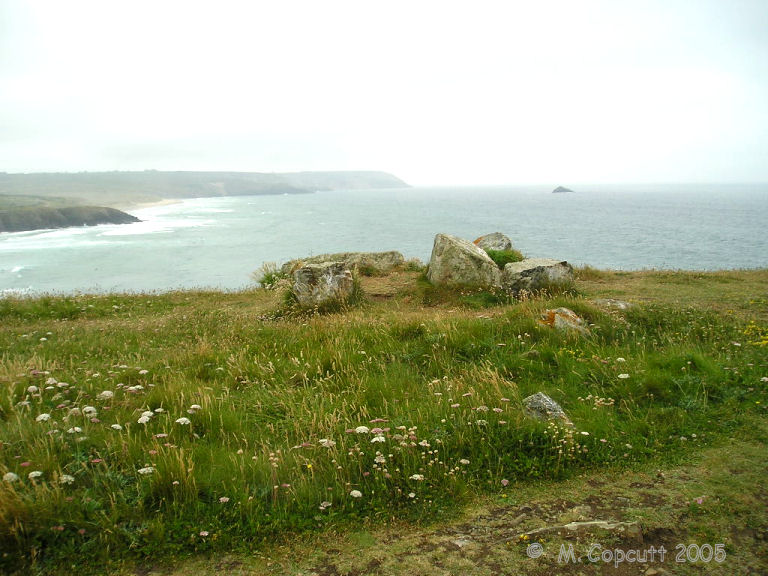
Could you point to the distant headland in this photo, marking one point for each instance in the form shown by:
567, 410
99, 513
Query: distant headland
54, 200
561, 190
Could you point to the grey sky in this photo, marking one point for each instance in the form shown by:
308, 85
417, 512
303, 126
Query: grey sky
435, 92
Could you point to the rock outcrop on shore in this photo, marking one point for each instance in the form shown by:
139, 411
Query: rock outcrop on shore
41, 218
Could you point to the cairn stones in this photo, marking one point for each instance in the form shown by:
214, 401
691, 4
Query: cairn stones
459, 262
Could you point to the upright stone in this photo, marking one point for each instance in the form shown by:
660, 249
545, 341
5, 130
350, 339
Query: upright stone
495, 241
318, 284
534, 274
458, 262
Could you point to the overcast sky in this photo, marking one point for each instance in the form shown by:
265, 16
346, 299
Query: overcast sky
441, 92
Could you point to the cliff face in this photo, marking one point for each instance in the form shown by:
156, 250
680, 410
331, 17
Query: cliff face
39, 217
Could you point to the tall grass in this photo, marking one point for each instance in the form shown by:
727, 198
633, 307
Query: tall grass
190, 422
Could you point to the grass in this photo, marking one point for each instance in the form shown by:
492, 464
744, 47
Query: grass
504, 257
202, 423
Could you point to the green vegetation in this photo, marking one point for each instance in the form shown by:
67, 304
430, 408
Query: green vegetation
142, 427
42, 217
504, 257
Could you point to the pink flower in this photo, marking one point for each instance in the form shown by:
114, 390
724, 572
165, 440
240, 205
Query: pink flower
505, 482
223, 499
203, 533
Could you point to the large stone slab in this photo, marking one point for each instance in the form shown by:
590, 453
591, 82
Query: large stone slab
494, 241
458, 262
378, 261
535, 274
317, 284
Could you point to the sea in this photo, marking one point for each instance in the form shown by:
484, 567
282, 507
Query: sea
218, 243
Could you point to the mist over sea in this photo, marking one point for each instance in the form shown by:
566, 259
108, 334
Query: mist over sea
219, 242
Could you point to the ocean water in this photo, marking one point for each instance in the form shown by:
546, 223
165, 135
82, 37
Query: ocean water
219, 242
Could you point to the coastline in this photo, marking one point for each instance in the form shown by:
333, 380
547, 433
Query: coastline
150, 204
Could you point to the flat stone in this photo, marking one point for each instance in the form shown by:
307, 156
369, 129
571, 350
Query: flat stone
565, 320
536, 274
381, 262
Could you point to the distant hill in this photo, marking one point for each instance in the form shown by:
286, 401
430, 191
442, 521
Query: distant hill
42, 217
126, 188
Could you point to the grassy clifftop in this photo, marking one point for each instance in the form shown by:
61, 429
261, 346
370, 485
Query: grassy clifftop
137, 428
43, 217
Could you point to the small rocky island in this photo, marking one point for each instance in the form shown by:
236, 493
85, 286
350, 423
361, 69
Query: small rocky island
561, 190
44, 217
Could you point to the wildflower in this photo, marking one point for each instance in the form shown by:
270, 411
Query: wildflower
504, 399
116, 427
623, 376
482, 408
424, 443
33, 389
326, 443
25, 464
481, 422
498, 410
378, 438
143, 420
66, 479
148, 413
464, 461
223, 499
143, 372
417, 477
380, 459
175, 482
159, 410
455, 405
203, 533
10, 477
584, 433
411, 494
74, 430
324, 504
35, 474
356, 494
700, 500
44, 417
51, 381
146, 471
183, 421
362, 430
504, 482
90, 411
764, 379
195, 407
620, 359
